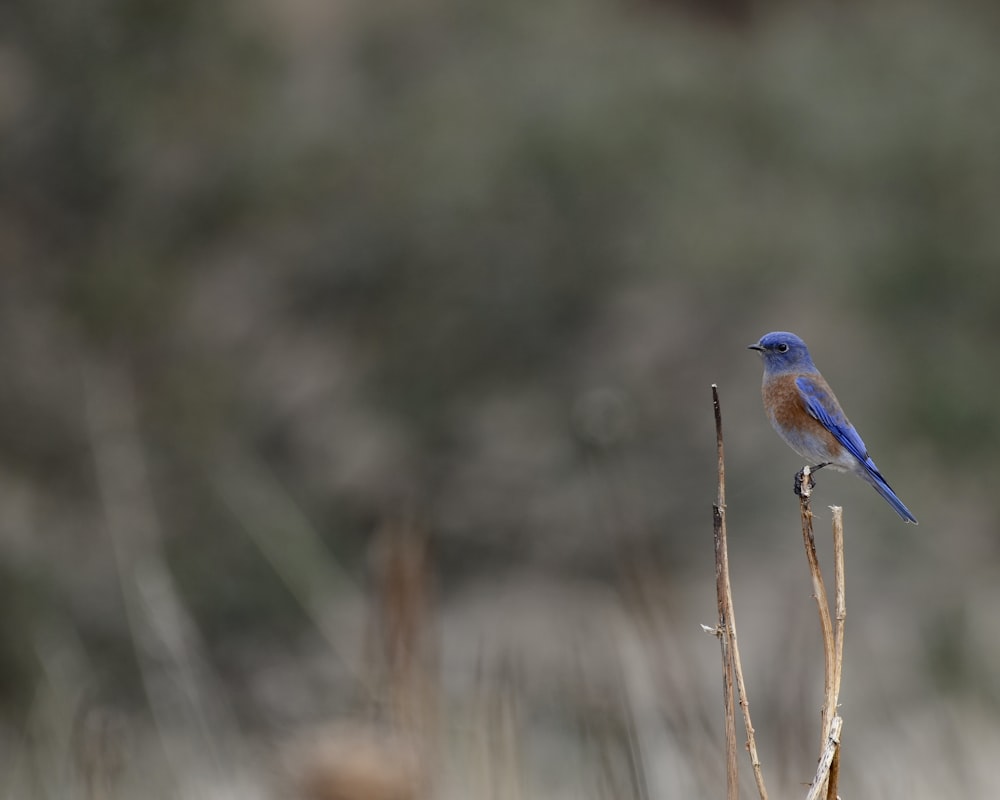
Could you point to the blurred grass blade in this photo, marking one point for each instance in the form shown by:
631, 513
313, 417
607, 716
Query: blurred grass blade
192, 718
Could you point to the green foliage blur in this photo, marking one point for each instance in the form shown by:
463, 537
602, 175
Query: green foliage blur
482, 261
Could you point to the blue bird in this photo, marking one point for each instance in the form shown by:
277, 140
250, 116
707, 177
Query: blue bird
805, 413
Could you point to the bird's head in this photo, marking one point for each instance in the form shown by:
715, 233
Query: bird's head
783, 352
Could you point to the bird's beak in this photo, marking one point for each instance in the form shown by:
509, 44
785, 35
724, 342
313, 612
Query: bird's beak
756, 347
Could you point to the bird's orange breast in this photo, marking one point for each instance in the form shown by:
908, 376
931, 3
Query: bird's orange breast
787, 411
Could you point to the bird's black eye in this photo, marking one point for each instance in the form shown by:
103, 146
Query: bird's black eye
782, 348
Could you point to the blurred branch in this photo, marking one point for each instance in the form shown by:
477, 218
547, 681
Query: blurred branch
732, 667
402, 619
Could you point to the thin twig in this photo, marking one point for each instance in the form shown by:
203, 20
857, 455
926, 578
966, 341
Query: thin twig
723, 598
831, 791
840, 615
819, 592
840, 607
831, 748
741, 691
722, 631
726, 631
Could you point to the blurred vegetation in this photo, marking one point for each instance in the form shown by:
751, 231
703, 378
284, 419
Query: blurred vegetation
479, 263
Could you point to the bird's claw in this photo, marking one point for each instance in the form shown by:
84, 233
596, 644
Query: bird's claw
801, 477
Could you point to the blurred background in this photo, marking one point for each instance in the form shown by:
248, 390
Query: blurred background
356, 436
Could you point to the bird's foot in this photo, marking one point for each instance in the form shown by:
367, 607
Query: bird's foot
804, 482
804, 476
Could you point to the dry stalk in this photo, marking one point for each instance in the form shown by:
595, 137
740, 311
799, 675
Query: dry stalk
722, 631
825, 782
819, 593
827, 759
826, 779
732, 667
840, 607
840, 615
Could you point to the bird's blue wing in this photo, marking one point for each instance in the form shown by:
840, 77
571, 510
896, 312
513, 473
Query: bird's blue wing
821, 404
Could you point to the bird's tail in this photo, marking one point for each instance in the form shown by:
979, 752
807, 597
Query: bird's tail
874, 477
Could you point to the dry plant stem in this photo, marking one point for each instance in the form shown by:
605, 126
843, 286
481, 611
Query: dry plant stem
834, 779
722, 631
840, 615
819, 592
723, 596
840, 598
831, 748
726, 630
